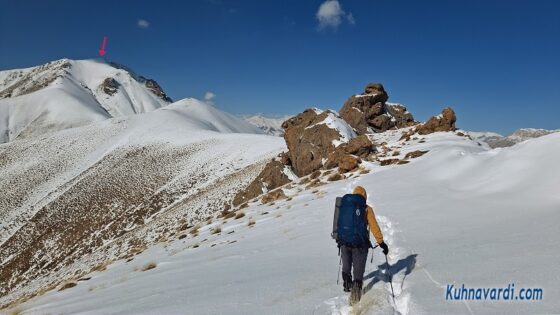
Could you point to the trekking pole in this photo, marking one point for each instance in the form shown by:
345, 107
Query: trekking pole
390, 280
372, 252
338, 276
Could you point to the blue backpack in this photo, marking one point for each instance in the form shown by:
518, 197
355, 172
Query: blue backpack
349, 225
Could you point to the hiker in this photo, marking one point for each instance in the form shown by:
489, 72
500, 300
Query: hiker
352, 217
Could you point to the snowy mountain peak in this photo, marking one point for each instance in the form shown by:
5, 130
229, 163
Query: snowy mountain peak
69, 93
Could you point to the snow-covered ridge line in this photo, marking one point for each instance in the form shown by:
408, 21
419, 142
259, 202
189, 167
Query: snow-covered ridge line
283, 250
142, 177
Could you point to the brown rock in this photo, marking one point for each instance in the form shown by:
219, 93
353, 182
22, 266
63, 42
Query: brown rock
334, 157
308, 141
371, 110
444, 122
273, 196
402, 118
380, 123
335, 177
271, 177
376, 88
388, 161
415, 154
315, 174
314, 183
347, 163
360, 146
285, 158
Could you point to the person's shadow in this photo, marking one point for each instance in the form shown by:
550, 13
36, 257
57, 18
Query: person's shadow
407, 263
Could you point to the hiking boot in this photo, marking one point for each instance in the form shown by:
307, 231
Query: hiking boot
356, 294
347, 278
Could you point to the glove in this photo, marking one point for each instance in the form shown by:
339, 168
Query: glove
385, 248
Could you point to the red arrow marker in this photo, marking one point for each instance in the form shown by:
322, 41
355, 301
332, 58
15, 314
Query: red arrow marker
102, 50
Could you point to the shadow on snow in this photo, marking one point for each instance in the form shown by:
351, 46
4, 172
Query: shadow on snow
406, 264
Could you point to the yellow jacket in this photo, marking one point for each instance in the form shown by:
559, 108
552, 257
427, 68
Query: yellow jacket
370, 216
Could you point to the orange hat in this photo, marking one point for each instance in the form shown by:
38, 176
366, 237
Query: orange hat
360, 191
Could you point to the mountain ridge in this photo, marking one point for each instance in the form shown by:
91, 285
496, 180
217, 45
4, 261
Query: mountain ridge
67, 93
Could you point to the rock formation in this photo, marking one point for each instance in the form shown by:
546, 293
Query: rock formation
153, 86
443, 122
311, 136
324, 140
109, 86
370, 110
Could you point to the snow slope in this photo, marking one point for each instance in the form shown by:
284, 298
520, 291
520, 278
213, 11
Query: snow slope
69, 93
459, 214
76, 198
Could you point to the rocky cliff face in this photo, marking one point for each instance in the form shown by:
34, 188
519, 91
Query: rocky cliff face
153, 86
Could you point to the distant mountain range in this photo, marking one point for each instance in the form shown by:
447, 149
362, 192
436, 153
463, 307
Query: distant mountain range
270, 125
495, 140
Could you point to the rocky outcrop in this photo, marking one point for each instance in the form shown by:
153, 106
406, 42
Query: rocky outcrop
401, 116
325, 140
443, 122
369, 111
360, 146
347, 163
311, 136
153, 86
110, 86
272, 176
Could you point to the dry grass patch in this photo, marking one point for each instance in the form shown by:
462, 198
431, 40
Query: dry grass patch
16, 311
68, 285
239, 215
216, 230
227, 214
149, 266
101, 267
194, 230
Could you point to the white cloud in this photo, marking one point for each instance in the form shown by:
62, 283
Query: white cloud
330, 14
143, 23
209, 98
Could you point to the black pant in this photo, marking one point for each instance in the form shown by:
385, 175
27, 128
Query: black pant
354, 257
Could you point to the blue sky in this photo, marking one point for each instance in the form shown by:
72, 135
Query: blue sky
496, 62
